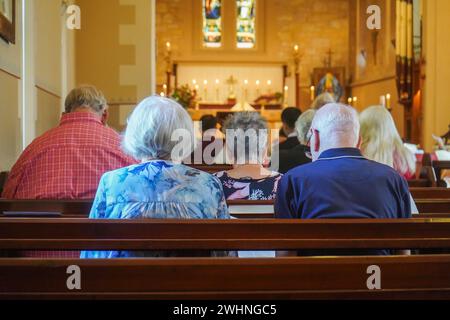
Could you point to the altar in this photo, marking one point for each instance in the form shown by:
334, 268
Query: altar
272, 113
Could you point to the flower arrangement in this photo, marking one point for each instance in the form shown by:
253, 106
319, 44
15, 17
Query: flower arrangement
185, 96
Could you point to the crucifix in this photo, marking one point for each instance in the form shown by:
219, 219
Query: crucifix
231, 81
328, 61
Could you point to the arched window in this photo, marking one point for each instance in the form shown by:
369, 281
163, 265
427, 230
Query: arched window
212, 23
239, 19
245, 31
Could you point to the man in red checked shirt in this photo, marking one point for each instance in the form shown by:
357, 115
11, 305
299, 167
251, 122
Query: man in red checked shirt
67, 161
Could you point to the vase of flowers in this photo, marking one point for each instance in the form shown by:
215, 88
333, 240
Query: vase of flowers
185, 96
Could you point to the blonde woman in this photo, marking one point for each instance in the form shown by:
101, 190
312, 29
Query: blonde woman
381, 141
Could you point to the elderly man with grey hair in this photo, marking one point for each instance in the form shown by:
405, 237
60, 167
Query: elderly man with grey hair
160, 133
67, 161
341, 182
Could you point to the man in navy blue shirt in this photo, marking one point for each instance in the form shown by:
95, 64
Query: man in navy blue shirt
340, 182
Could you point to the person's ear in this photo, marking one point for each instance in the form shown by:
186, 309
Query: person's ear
360, 141
316, 141
105, 116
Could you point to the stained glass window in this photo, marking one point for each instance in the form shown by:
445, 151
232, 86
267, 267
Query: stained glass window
212, 23
246, 13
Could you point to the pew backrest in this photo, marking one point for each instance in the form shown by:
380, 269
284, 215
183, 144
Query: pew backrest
254, 234
414, 277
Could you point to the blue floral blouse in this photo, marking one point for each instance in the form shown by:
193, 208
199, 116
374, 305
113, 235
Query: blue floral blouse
157, 190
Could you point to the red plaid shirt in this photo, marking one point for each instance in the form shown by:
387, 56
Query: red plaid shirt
68, 161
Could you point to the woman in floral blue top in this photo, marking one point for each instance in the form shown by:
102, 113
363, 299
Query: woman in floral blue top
157, 188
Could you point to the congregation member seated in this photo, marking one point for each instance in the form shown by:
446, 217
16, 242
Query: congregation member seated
381, 141
211, 141
321, 100
289, 159
160, 187
246, 145
67, 161
341, 182
288, 117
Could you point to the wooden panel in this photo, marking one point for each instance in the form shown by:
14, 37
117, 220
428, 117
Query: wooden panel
401, 278
79, 234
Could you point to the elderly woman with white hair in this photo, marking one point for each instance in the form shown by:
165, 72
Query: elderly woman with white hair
160, 186
381, 141
246, 146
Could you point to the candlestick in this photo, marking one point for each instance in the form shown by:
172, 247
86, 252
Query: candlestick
313, 93
388, 101
286, 88
217, 90
383, 101
205, 90
245, 90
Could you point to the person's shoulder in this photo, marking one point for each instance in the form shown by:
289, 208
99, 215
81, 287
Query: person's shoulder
383, 169
304, 170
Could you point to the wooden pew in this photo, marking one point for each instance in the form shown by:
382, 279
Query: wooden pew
430, 193
434, 201
420, 183
439, 167
269, 234
421, 277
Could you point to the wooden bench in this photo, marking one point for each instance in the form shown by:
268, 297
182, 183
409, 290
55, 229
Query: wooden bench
439, 167
421, 277
268, 234
435, 201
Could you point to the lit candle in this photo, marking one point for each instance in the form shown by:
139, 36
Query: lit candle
355, 100
165, 89
217, 90
349, 101
257, 88
388, 101
296, 48
383, 101
286, 88
313, 93
168, 46
269, 85
245, 90
162, 94
194, 82
205, 90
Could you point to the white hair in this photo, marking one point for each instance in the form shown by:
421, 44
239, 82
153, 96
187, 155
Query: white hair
152, 126
303, 125
382, 142
337, 123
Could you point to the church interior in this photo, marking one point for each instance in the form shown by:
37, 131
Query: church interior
221, 57
131, 49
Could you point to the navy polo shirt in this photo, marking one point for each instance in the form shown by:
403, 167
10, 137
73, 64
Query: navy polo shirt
343, 184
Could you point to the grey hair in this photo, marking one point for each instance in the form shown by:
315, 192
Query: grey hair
246, 137
152, 127
303, 125
321, 100
337, 122
85, 96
